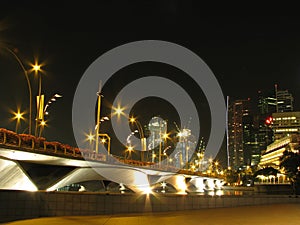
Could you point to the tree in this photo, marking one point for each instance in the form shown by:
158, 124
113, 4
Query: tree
268, 171
290, 161
231, 176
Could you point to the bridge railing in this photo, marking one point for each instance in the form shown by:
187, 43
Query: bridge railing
39, 144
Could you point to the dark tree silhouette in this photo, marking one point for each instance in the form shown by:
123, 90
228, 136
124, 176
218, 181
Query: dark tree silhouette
290, 161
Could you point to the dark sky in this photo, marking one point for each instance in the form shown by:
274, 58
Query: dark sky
246, 54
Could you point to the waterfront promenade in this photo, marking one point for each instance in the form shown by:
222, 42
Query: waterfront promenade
279, 214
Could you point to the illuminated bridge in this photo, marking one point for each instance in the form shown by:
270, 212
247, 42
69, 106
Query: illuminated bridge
31, 163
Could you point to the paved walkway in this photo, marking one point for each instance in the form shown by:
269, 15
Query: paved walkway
261, 215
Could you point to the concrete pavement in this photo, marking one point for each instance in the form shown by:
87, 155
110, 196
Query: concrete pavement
281, 214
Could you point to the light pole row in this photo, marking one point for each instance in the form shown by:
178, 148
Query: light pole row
40, 111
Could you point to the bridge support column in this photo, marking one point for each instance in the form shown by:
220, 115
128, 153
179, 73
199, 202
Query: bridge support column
13, 177
198, 182
178, 182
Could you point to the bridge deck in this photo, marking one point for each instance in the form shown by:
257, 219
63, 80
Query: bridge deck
55, 152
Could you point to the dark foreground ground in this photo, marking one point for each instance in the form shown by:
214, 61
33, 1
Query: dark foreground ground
261, 215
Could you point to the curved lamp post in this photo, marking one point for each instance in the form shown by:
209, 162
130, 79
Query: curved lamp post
28, 83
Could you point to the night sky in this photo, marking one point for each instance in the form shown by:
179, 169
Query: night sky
246, 54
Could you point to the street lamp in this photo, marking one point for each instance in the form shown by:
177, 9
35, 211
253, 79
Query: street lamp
142, 136
28, 83
164, 136
18, 117
105, 139
42, 126
129, 150
52, 99
99, 120
44, 112
40, 114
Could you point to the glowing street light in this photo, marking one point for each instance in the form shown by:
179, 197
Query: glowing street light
90, 137
52, 99
42, 127
118, 111
18, 117
129, 150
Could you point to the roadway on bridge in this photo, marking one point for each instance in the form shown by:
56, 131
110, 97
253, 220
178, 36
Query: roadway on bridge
267, 215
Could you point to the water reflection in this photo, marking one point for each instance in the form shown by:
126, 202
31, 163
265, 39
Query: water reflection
222, 192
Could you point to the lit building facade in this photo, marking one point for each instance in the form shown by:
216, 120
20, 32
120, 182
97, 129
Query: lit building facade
284, 101
266, 104
285, 123
271, 156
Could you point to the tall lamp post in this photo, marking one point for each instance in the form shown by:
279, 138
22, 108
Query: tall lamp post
42, 123
99, 120
142, 136
39, 115
28, 83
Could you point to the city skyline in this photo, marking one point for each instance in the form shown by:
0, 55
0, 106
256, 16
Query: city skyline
233, 52
115, 108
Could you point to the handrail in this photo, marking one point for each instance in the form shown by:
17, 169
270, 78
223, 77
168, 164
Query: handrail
33, 143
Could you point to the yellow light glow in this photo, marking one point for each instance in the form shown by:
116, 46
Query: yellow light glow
165, 136
130, 148
103, 140
146, 190
43, 123
132, 120
164, 184
90, 137
180, 185
118, 111
36, 67
18, 115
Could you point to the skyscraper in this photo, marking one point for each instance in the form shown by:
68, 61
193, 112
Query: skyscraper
284, 100
251, 148
237, 110
267, 103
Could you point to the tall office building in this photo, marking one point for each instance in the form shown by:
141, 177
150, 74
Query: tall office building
237, 110
284, 100
251, 148
267, 103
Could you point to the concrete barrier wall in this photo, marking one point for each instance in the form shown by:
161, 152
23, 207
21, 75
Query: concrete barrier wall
16, 205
